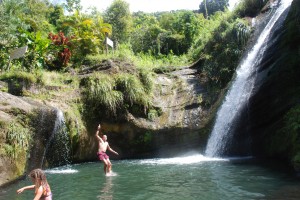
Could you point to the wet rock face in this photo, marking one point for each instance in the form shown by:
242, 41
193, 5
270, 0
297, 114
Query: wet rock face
19, 111
9, 107
131, 141
276, 90
180, 97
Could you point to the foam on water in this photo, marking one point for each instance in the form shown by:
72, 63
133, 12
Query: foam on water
61, 171
182, 160
111, 174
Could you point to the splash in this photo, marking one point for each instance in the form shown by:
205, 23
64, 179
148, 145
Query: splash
61, 171
182, 160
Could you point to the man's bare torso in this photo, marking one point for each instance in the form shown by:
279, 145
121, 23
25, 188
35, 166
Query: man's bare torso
102, 146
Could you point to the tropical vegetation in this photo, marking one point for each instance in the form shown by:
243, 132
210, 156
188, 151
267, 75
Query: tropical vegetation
63, 41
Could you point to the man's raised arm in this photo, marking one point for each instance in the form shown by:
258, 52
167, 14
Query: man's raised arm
97, 133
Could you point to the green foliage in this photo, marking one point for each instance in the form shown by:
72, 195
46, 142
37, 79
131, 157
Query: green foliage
20, 81
9, 24
143, 141
297, 158
29, 78
124, 52
146, 78
117, 93
132, 89
164, 69
38, 45
72, 5
164, 33
292, 38
34, 13
118, 15
2, 124
148, 137
287, 139
56, 13
222, 50
19, 32
92, 60
161, 38
160, 63
242, 31
209, 7
154, 113
17, 140
24, 23
146, 38
249, 7
207, 28
100, 92
53, 78
88, 33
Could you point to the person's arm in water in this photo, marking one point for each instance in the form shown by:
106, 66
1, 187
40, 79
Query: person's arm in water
111, 150
30, 187
39, 193
97, 134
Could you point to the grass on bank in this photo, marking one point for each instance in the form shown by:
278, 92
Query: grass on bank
148, 61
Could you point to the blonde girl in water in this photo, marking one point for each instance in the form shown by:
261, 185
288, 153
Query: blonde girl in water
41, 186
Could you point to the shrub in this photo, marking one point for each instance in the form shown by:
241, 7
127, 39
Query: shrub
118, 93
287, 139
249, 8
100, 92
17, 140
132, 89
61, 49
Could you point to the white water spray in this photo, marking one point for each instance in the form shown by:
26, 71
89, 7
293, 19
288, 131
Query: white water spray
58, 142
181, 160
240, 90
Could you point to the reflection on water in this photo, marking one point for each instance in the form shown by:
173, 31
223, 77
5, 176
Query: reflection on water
190, 178
106, 192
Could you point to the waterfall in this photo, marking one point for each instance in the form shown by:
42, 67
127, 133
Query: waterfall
240, 91
57, 150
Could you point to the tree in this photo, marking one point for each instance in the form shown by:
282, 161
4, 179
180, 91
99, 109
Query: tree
181, 27
205, 9
72, 5
88, 33
56, 13
209, 7
24, 23
118, 15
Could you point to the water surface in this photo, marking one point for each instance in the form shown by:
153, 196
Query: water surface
191, 177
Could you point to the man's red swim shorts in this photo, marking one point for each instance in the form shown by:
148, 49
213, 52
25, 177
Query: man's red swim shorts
102, 155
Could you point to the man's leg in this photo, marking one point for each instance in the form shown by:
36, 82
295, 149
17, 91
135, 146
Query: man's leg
105, 163
109, 165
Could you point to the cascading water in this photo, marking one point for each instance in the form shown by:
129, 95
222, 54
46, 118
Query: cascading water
57, 150
240, 90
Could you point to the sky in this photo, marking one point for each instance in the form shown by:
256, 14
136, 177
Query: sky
149, 5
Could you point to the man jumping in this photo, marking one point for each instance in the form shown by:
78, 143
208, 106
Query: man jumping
102, 147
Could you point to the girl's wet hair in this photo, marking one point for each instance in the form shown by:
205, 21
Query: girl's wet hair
39, 177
